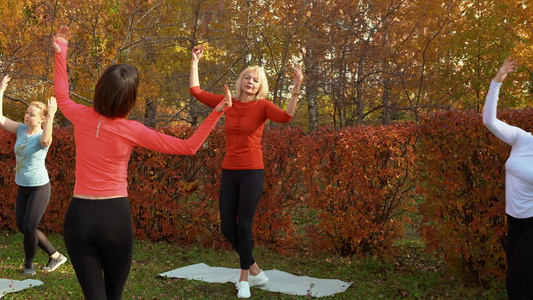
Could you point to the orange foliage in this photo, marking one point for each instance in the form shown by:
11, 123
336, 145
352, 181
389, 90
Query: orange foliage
461, 178
350, 191
359, 187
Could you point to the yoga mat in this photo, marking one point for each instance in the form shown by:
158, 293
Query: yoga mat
12, 286
279, 281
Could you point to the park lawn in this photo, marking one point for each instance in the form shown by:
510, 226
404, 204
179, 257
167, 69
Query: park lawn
412, 275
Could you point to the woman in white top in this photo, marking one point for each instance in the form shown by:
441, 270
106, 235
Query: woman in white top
518, 192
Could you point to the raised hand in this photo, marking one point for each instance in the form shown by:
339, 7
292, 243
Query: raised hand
63, 35
52, 106
227, 102
298, 75
197, 52
508, 66
4, 82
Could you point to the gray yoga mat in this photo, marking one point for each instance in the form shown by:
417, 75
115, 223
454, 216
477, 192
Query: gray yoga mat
279, 281
12, 286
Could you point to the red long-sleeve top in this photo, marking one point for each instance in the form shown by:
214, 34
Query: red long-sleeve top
244, 128
103, 146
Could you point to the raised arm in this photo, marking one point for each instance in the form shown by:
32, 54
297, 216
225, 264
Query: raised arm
70, 109
46, 136
196, 55
502, 130
60, 45
206, 98
298, 77
6, 123
508, 66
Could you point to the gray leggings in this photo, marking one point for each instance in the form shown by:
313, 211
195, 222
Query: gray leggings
31, 204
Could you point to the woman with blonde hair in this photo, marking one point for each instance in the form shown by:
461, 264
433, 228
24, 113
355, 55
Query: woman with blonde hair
243, 171
34, 138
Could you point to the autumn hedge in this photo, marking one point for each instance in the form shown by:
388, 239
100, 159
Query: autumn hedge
352, 191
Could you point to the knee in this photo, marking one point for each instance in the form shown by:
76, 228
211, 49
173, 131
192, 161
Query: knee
22, 226
227, 229
26, 227
244, 230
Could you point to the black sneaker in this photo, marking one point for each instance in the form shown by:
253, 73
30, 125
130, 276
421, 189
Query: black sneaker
54, 263
28, 268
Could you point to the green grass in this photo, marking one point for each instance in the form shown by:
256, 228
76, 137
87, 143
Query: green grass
413, 275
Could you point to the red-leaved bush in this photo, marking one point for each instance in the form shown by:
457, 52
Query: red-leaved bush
461, 179
348, 191
359, 187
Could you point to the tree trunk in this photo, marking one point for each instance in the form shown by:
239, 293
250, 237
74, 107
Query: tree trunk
312, 73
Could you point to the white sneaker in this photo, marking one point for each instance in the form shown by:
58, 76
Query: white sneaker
243, 289
54, 263
259, 279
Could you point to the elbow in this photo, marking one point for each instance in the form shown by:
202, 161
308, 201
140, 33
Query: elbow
487, 121
190, 151
46, 143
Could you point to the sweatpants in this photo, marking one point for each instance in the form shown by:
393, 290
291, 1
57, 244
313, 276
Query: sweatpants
240, 192
99, 241
519, 254
31, 204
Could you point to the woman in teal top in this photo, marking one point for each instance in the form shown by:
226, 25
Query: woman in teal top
34, 137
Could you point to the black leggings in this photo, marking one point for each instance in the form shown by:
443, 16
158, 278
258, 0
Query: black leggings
240, 191
99, 241
31, 204
519, 258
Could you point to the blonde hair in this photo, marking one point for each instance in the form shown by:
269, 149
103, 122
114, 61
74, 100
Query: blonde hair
263, 84
41, 106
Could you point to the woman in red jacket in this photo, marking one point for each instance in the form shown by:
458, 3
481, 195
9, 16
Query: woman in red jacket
98, 232
242, 169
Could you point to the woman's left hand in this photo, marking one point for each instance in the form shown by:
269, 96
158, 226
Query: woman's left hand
52, 106
298, 75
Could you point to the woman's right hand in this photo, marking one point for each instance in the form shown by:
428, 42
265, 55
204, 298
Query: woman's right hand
62, 35
508, 66
197, 52
4, 82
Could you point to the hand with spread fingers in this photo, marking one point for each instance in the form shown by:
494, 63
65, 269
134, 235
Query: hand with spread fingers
62, 35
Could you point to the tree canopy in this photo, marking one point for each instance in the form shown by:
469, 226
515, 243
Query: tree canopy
364, 61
